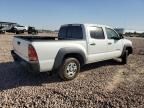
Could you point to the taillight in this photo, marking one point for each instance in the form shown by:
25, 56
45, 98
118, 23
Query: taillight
32, 53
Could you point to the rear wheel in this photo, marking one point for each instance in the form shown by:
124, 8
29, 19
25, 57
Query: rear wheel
124, 58
69, 69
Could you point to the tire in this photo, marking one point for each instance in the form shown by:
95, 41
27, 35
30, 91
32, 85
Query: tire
3, 32
124, 58
17, 32
14, 30
33, 33
22, 31
69, 69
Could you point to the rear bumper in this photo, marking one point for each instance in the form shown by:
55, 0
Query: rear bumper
30, 66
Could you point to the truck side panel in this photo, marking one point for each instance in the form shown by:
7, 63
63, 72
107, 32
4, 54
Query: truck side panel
48, 50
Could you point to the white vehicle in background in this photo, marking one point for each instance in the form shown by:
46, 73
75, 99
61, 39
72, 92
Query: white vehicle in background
20, 29
76, 45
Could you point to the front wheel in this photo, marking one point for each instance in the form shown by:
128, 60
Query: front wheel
124, 58
69, 69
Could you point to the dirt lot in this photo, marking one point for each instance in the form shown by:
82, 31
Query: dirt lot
138, 44
101, 85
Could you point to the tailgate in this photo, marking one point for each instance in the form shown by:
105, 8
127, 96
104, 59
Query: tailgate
21, 47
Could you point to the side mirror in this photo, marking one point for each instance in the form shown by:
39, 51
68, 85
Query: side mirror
121, 36
116, 38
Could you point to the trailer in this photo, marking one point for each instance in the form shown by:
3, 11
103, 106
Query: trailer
6, 26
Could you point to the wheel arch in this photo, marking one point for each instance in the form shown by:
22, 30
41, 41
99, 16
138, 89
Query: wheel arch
64, 53
130, 50
127, 47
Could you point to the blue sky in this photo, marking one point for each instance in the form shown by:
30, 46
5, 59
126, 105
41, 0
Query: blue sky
50, 14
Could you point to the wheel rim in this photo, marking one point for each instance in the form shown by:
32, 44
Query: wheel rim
71, 69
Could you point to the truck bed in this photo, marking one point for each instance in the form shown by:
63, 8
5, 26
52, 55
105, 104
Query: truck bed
34, 38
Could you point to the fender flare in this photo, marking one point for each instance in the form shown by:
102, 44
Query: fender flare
65, 51
124, 48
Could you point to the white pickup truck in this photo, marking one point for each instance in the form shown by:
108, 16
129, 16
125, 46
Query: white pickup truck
75, 46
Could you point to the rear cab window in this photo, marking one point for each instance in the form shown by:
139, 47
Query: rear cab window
71, 32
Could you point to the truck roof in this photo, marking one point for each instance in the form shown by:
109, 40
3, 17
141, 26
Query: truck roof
85, 24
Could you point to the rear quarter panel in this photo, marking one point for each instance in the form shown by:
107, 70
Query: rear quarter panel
47, 51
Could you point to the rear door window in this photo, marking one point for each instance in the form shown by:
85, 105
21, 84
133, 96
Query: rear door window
97, 33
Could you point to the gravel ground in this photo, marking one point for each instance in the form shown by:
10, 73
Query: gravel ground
101, 85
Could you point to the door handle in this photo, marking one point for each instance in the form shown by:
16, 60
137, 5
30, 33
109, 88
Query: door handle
109, 43
93, 44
